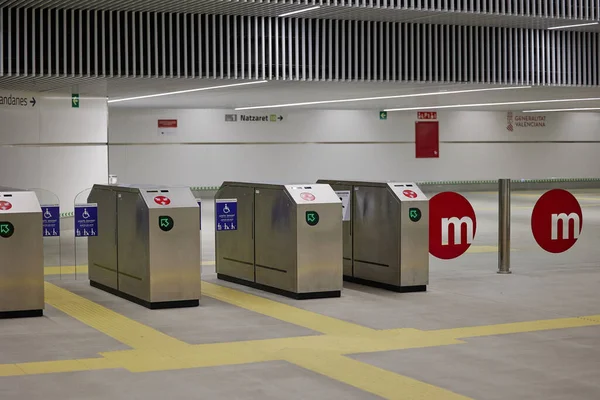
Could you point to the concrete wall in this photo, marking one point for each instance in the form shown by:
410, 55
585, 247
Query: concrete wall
52, 145
306, 145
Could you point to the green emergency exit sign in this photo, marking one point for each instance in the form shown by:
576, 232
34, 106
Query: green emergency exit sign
383, 115
165, 223
312, 218
6, 229
75, 101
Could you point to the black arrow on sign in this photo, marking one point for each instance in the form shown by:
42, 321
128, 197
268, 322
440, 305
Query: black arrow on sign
280, 118
33, 102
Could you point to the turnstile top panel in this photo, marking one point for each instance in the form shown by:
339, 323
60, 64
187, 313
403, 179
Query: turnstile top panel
18, 201
157, 196
407, 191
301, 193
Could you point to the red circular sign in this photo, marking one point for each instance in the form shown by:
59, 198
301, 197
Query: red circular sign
307, 196
162, 200
452, 225
410, 194
556, 221
5, 205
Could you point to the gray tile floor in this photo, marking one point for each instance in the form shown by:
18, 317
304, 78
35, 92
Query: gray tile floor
556, 364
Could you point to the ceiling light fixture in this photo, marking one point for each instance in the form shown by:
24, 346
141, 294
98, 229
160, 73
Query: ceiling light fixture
572, 26
185, 91
308, 103
563, 109
299, 11
508, 103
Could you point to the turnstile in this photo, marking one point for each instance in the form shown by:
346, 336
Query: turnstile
285, 239
148, 245
386, 234
21, 254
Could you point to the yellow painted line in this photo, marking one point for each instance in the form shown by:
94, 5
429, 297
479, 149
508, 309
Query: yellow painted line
113, 324
369, 378
283, 312
83, 269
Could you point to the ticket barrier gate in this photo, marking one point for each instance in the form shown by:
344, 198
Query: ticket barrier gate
386, 234
284, 239
148, 245
22, 254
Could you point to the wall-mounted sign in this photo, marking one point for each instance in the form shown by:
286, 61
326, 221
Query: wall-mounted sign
383, 115
253, 118
517, 120
20, 100
427, 139
427, 115
74, 101
167, 127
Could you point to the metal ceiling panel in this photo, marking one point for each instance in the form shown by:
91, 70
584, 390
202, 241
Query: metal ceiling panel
139, 44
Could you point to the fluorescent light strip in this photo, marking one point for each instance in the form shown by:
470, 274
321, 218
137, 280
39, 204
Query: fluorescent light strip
509, 103
562, 109
299, 11
185, 91
308, 103
572, 26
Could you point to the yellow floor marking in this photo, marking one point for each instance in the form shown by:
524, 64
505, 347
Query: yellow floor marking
83, 269
369, 378
115, 325
283, 312
324, 354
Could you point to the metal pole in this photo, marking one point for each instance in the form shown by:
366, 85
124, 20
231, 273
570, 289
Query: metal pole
504, 226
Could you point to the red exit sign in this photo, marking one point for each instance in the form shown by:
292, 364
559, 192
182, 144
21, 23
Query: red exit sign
427, 115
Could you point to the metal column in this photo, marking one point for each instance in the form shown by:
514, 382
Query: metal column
504, 226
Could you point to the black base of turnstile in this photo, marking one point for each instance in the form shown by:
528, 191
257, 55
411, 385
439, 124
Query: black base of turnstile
286, 293
21, 314
157, 305
386, 286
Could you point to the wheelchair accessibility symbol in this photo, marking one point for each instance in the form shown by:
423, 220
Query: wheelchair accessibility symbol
85, 214
226, 209
47, 214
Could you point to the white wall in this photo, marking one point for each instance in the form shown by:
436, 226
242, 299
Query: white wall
306, 145
53, 146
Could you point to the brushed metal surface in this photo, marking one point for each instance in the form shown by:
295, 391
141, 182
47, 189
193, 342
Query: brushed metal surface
346, 231
150, 264
386, 246
133, 245
22, 254
102, 249
235, 249
282, 250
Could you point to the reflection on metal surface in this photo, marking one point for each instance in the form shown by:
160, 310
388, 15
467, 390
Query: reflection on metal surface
148, 251
21, 254
386, 240
288, 239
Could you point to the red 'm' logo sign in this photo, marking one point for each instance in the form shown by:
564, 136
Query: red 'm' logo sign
556, 221
452, 225
162, 200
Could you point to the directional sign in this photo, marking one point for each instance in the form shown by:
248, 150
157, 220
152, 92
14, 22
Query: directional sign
51, 220
556, 221
452, 225
86, 220
275, 118
6, 229
165, 223
226, 214
383, 115
312, 218
414, 214
74, 101
5, 205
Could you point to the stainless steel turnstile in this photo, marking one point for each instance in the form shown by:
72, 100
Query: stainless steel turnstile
386, 234
286, 239
148, 244
21, 254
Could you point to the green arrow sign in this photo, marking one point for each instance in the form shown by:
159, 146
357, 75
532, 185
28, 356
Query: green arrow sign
6, 229
165, 223
74, 100
312, 218
414, 214
383, 115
